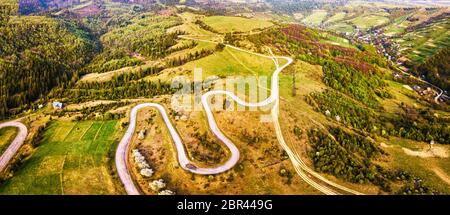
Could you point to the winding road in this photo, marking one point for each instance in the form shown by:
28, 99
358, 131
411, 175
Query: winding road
301, 168
436, 99
16, 143
439, 95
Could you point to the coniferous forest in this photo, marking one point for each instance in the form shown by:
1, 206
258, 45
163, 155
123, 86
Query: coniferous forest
45, 53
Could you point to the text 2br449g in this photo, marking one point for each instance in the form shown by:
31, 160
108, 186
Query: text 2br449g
230, 204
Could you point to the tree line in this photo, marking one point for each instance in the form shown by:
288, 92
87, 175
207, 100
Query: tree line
100, 91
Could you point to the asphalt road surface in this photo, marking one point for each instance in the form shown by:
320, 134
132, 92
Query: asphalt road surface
16, 143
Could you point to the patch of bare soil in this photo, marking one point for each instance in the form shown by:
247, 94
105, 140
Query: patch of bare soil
436, 151
441, 174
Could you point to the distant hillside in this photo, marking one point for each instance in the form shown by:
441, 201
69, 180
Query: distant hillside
32, 6
136, 1
437, 69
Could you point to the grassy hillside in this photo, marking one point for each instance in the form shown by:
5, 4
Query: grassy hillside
369, 21
230, 62
336, 17
225, 24
316, 18
350, 94
7, 135
73, 158
398, 26
421, 43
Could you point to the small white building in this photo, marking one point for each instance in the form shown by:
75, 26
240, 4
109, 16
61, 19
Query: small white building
57, 105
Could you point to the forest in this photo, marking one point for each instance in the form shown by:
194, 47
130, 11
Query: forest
436, 69
146, 35
341, 158
51, 54
112, 90
350, 157
46, 53
142, 37
410, 123
351, 113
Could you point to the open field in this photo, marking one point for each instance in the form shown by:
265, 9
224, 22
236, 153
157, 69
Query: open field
342, 27
189, 25
7, 135
434, 169
336, 17
316, 18
398, 26
225, 24
400, 94
346, 21
198, 48
83, 4
335, 40
368, 21
230, 62
298, 16
73, 158
106, 76
423, 43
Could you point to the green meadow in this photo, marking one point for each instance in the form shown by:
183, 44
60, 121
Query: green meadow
231, 62
225, 24
316, 17
7, 135
336, 17
425, 42
398, 26
342, 27
369, 21
73, 158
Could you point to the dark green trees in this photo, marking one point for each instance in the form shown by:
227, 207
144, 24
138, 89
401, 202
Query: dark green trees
37, 54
